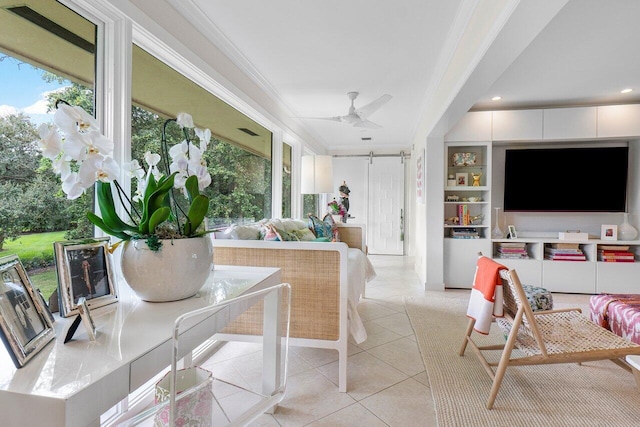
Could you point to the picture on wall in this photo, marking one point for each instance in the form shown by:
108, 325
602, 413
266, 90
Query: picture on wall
84, 270
420, 178
25, 321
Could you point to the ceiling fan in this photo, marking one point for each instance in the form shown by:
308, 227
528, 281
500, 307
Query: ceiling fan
357, 117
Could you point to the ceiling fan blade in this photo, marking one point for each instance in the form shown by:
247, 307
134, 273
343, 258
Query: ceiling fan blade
372, 107
333, 119
366, 124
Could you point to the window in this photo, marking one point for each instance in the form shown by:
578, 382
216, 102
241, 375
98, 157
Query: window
239, 155
47, 52
286, 180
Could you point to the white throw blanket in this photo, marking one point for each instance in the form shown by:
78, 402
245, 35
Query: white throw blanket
360, 271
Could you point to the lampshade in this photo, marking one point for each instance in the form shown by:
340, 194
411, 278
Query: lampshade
317, 174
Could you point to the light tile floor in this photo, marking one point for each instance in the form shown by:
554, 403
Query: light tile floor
387, 382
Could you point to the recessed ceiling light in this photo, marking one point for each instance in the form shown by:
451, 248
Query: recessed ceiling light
626, 90
496, 98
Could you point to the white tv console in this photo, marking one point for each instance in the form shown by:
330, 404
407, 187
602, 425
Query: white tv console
582, 277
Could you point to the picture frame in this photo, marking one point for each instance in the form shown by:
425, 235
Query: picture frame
462, 179
420, 178
84, 269
609, 232
87, 320
25, 321
511, 232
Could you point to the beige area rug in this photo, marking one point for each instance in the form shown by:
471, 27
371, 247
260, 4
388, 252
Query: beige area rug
591, 394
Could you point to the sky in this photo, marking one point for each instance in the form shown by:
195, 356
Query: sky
22, 89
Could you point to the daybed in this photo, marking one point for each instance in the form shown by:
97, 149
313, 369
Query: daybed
327, 281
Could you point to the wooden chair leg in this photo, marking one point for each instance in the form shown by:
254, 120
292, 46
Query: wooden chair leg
466, 337
504, 360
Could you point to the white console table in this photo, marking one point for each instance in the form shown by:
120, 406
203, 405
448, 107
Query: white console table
73, 384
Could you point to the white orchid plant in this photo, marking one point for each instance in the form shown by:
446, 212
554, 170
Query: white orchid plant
82, 156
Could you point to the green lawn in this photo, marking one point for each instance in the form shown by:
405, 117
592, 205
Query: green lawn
37, 246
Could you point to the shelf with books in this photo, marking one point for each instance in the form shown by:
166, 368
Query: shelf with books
589, 275
564, 251
511, 250
616, 253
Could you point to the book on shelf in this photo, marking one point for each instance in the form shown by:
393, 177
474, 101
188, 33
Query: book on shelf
564, 245
615, 252
614, 248
464, 233
618, 260
513, 255
566, 258
512, 244
463, 215
566, 252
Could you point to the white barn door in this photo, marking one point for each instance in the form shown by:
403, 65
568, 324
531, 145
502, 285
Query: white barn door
386, 212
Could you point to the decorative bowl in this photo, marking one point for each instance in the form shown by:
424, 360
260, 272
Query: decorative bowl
463, 159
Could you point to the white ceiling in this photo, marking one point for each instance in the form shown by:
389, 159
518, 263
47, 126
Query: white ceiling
308, 54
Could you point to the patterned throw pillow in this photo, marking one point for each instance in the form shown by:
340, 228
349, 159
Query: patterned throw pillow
285, 236
320, 227
328, 219
269, 233
304, 234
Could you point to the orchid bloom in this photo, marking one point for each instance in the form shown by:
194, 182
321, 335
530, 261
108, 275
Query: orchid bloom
98, 167
74, 119
152, 160
133, 169
72, 186
185, 120
204, 135
50, 141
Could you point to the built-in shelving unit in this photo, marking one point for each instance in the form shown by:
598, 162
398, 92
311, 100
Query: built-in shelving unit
585, 277
467, 209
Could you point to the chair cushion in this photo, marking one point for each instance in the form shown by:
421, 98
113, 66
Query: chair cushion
539, 298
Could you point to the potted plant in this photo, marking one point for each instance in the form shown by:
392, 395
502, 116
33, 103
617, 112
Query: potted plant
157, 228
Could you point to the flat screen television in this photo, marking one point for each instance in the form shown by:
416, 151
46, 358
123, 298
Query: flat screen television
592, 179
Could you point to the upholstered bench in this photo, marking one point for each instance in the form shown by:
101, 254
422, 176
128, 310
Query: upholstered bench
619, 313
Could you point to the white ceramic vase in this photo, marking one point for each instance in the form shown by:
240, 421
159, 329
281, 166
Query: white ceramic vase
626, 230
177, 271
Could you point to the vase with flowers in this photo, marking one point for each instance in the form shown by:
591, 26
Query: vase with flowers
166, 255
337, 211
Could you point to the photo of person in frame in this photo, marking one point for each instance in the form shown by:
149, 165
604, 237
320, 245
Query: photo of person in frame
88, 271
18, 308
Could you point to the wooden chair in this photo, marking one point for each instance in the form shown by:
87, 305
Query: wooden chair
544, 337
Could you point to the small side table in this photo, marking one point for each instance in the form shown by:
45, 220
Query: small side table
634, 362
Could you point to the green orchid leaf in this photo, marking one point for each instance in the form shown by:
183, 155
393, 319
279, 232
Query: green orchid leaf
107, 209
191, 185
158, 217
197, 212
97, 221
155, 200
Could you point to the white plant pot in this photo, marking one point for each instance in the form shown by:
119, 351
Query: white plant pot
177, 271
